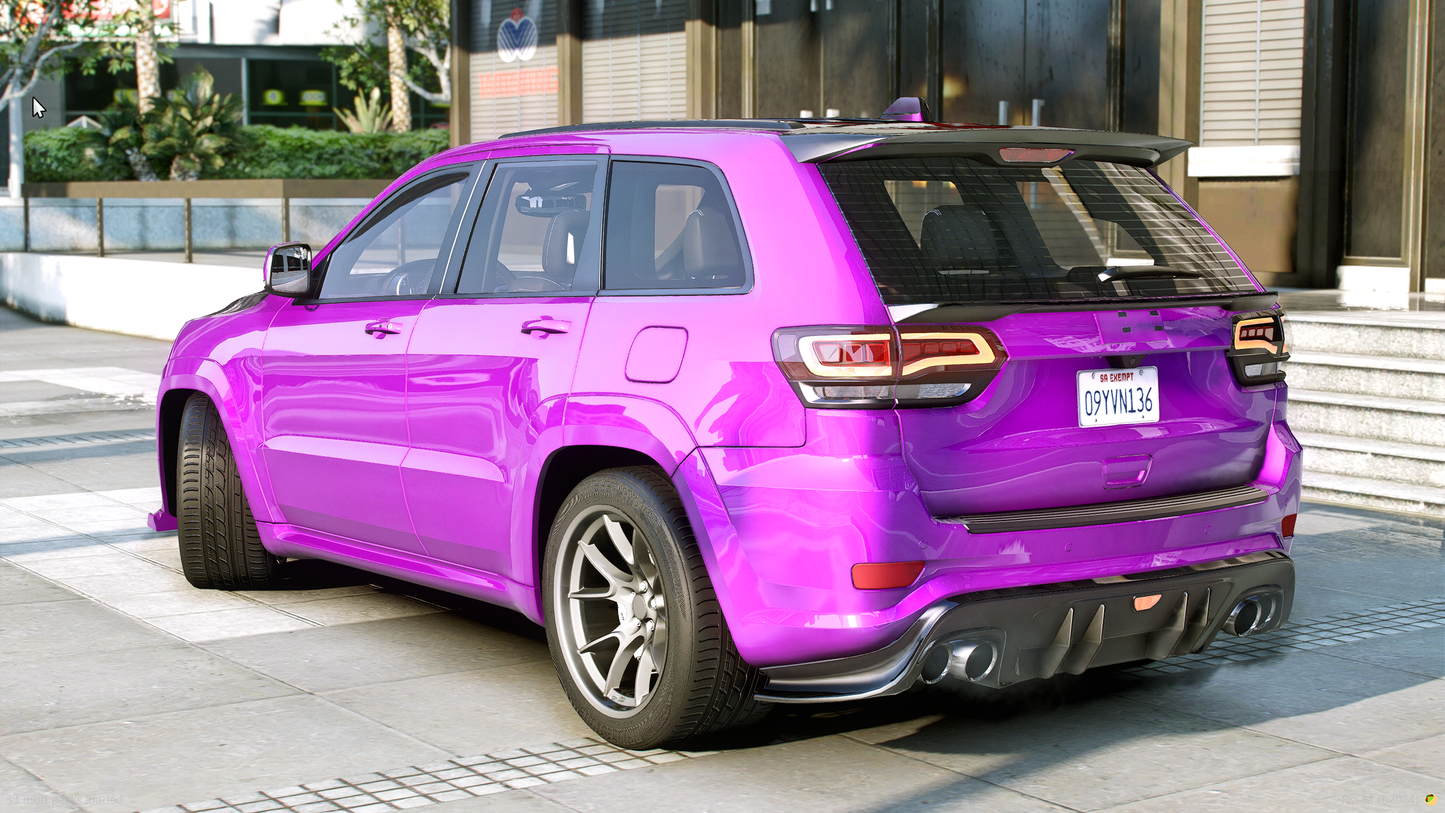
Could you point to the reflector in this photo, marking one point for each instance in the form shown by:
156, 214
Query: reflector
1286, 528
1142, 603
885, 575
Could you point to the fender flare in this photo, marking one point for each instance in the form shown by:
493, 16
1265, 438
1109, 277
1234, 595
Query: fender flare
205, 375
635, 424
651, 428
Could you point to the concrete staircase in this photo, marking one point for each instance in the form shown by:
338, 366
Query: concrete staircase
1367, 400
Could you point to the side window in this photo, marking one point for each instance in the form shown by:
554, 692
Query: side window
669, 226
531, 233
395, 252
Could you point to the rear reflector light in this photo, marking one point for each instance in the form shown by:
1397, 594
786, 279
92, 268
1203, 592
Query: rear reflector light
1286, 528
885, 575
877, 367
1033, 155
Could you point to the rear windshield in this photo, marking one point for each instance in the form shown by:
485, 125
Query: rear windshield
943, 230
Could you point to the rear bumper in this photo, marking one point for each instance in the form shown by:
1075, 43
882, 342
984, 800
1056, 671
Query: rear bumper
781, 529
1038, 632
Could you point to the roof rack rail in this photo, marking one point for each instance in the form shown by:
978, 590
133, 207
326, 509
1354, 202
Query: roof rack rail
770, 125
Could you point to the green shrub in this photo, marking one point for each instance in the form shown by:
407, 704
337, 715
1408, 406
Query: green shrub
260, 151
70, 154
263, 151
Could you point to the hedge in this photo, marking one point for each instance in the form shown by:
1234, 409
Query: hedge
260, 151
69, 154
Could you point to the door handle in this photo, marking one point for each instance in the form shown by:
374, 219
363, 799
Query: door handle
382, 329
545, 326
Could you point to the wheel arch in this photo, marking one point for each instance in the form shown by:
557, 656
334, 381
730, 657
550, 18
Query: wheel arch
563, 470
168, 430
208, 378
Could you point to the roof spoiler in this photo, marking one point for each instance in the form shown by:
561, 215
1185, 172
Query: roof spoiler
907, 139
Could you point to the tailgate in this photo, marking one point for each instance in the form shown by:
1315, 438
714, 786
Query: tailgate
1028, 443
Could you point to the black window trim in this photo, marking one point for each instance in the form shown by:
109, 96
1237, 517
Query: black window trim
489, 172
449, 242
743, 247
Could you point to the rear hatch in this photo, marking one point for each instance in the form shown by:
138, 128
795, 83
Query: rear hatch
1111, 307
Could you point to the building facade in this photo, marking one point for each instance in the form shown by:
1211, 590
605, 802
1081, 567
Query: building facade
1316, 120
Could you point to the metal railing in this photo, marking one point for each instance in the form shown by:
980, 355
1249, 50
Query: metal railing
283, 189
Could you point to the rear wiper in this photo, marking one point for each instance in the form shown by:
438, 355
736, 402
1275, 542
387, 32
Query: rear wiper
1111, 273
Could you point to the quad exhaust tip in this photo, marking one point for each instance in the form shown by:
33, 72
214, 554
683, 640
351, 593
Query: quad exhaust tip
967, 660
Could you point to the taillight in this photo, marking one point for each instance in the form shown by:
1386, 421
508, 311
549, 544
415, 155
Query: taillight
878, 367
1257, 348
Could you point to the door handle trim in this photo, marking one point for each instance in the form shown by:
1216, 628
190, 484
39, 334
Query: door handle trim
382, 329
546, 326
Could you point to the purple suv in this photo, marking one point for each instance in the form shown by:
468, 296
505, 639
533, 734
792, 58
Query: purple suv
755, 412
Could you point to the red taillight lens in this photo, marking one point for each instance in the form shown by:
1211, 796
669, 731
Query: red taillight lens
873, 367
885, 575
926, 351
847, 357
1257, 348
1286, 528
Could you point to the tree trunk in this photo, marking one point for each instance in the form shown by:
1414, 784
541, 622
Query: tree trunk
17, 143
147, 65
140, 165
400, 93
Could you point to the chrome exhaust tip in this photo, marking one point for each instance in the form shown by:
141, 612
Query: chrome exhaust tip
967, 660
1253, 614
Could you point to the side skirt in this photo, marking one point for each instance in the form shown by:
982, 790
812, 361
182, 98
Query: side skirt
291, 541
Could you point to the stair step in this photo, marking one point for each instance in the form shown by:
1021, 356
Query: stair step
1422, 379
1407, 334
1364, 492
1381, 459
1403, 420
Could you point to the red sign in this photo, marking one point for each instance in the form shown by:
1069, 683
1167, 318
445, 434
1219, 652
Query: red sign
518, 82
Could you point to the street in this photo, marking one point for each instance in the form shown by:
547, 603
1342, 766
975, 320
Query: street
127, 690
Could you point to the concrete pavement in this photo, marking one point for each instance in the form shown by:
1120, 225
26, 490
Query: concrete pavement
126, 690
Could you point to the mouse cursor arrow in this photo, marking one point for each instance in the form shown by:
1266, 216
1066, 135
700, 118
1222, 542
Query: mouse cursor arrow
37, 109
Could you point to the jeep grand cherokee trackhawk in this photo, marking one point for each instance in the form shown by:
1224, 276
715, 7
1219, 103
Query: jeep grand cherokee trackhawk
764, 411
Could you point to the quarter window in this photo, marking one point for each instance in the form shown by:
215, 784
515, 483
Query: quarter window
396, 251
670, 226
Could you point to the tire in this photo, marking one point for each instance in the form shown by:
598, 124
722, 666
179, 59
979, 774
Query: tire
640, 647
219, 544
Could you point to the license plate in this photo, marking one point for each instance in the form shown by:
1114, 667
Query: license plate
1114, 397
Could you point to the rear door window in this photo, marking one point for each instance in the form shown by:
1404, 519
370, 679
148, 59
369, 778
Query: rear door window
537, 230
938, 230
670, 227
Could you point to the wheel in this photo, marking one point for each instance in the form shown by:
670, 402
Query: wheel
633, 623
219, 544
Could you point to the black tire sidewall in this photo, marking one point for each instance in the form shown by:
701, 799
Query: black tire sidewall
661, 717
227, 554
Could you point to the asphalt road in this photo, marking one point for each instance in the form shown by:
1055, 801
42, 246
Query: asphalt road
123, 689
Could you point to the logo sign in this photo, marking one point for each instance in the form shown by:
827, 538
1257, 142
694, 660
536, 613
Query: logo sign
517, 38
317, 97
273, 97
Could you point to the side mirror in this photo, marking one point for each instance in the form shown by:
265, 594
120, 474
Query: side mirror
287, 271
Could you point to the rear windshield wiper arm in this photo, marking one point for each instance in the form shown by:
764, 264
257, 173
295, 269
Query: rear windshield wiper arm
1112, 273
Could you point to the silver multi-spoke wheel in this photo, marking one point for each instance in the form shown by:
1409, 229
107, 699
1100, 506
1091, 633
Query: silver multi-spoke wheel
614, 629
633, 622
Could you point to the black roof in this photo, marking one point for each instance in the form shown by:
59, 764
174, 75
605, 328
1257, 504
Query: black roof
814, 140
